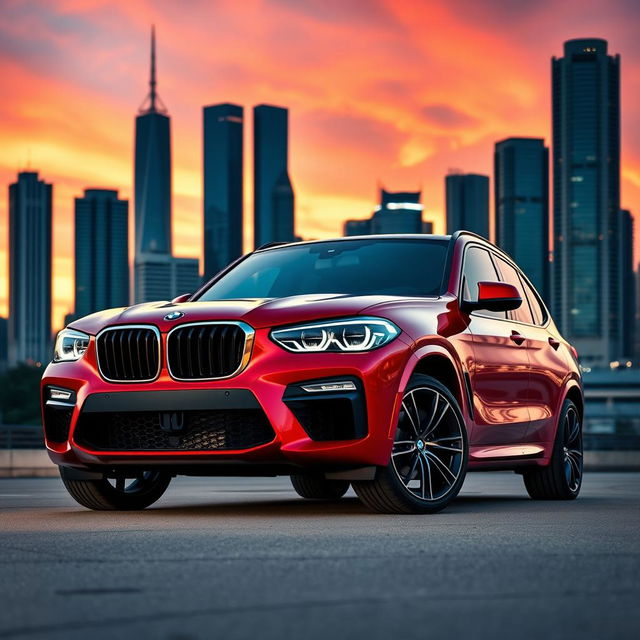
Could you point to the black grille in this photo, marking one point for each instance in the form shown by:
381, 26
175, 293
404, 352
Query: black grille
57, 420
326, 419
205, 351
129, 354
174, 431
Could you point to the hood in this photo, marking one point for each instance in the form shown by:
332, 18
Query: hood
258, 313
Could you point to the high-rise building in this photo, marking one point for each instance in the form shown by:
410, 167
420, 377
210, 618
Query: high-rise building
398, 212
273, 197
223, 196
101, 252
4, 344
185, 276
467, 201
521, 184
30, 217
152, 182
586, 297
165, 277
628, 285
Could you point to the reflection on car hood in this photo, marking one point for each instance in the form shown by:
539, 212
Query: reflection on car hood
258, 313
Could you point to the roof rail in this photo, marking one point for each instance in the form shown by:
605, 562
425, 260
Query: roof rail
268, 245
463, 232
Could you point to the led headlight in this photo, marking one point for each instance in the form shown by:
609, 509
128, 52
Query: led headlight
353, 334
70, 345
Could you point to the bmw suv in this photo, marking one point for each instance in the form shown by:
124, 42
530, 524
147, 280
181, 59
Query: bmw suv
391, 364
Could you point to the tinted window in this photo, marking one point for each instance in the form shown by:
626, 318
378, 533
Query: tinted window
357, 267
539, 315
510, 276
478, 267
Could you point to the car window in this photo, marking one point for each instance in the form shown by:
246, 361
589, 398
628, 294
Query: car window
509, 275
478, 267
398, 267
539, 314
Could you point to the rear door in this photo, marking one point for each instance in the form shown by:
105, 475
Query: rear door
546, 361
500, 372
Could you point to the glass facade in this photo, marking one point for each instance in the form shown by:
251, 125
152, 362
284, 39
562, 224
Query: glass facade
586, 155
467, 201
223, 198
521, 170
30, 213
273, 197
101, 251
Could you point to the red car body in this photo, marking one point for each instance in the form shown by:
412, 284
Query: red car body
509, 378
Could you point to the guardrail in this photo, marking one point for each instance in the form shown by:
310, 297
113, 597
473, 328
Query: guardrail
21, 436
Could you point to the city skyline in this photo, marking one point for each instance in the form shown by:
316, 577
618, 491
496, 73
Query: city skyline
429, 117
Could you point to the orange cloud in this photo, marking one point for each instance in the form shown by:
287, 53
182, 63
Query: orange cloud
390, 91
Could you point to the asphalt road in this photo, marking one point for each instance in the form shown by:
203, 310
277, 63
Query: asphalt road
246, 558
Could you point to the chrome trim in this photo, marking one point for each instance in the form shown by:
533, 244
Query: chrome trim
249, 336
116, 327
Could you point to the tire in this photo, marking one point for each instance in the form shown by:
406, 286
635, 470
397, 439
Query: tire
102, 495
439, 463
561, 479
317, 487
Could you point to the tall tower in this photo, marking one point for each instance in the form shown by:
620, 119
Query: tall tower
521, 183
586, 199
30, 214
273, 197
152, 181
629, 301
467, 202
102, 251
222, 153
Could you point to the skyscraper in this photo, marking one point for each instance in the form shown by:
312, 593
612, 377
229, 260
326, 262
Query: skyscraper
586, 199
30, 217
223, 136
273, 197
467, 201
398, 212
628, 285
4, 344
521, 183
152, 180
101, 252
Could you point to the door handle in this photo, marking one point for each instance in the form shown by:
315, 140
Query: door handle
554, 343
517, 338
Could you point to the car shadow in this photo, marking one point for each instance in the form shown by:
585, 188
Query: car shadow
299, 508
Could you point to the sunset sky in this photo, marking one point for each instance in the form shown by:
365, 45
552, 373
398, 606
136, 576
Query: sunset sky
391, 92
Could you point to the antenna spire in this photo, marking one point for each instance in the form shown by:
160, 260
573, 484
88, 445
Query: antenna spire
152, 81
153, 103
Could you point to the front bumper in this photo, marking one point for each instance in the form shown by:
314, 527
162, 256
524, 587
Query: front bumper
270, 384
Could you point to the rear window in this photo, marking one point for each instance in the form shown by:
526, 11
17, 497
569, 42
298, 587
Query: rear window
399, 267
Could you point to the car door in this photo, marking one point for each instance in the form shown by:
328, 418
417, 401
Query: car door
500, 373
546, 361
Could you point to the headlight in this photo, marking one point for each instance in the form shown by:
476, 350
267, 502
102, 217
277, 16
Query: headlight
354, 334
70, 345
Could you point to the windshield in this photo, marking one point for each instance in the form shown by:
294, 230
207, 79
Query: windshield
398, 267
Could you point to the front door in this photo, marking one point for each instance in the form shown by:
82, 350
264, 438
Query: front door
500, 373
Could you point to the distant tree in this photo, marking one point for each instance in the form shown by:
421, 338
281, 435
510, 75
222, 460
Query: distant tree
20, 395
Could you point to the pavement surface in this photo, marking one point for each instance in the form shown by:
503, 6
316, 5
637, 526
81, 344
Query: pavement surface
247, 558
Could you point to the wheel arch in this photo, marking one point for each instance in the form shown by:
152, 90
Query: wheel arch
574, 393
439, 363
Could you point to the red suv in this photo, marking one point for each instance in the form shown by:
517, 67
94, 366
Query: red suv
389, 363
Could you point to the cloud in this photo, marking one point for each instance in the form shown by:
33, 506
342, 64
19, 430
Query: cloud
391, 90
447, 116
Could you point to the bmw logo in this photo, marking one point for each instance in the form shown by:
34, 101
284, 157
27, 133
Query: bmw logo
174, 315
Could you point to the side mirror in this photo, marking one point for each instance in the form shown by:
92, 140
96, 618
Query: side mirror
493, 296
183, 298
